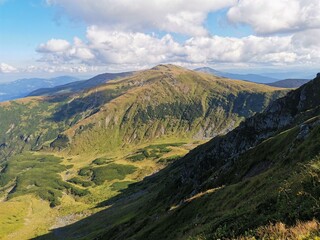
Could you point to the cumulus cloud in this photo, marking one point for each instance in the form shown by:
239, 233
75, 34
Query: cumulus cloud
104, 47
269, 17
54, 45
66, 68
113, 47
58, 51
118, 34
6, 68
249, 49
179, 16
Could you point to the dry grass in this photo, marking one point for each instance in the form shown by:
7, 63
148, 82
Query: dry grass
279, 231
25, 217
201, 194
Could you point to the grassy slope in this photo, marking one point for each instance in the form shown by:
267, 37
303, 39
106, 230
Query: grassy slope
25, 125
204, 197
74, 186
25, 217
119, 133
285, 191
168, 103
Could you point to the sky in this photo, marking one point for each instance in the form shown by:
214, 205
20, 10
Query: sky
84, 37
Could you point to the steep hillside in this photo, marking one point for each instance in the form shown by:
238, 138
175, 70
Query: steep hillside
244, 185
165, 102
96, 142
25, 125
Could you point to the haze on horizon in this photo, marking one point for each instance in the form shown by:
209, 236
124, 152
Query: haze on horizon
81, 38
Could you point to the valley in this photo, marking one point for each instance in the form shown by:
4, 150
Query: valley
69, 154
159, 120
259, 181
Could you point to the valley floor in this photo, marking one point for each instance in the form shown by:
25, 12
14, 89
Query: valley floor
24, 215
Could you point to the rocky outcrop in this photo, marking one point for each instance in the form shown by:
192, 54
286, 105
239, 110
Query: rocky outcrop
222, 151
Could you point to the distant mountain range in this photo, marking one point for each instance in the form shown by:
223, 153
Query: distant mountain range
247, 77
78, 85
287, 83
67, 84
22, 87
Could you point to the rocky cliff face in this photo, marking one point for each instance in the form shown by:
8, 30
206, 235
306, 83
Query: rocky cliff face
221, 152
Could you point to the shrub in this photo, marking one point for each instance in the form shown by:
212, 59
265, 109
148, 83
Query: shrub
101, 161
111, 172
79, 181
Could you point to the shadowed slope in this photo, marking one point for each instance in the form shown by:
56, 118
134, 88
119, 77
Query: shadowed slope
265, 170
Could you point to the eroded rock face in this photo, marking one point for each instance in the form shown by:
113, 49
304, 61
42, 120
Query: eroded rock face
306, 128
280, 115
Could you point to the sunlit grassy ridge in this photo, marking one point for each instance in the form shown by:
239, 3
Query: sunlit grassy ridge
76, 151
168, 102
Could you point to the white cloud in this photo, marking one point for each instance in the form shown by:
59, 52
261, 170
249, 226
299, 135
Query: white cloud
104, 47
179, 16
58, 51
281, 16
117, 34
113, 47
249, 49
65, 68
308, 39
54, 45
6, 68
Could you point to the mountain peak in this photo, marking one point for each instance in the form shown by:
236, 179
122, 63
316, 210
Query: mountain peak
166, 67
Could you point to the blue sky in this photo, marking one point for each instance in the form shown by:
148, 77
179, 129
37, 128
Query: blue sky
80, 37
25, 24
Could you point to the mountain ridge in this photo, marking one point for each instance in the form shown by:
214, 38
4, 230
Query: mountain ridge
227, 189
146, 100
146, 86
